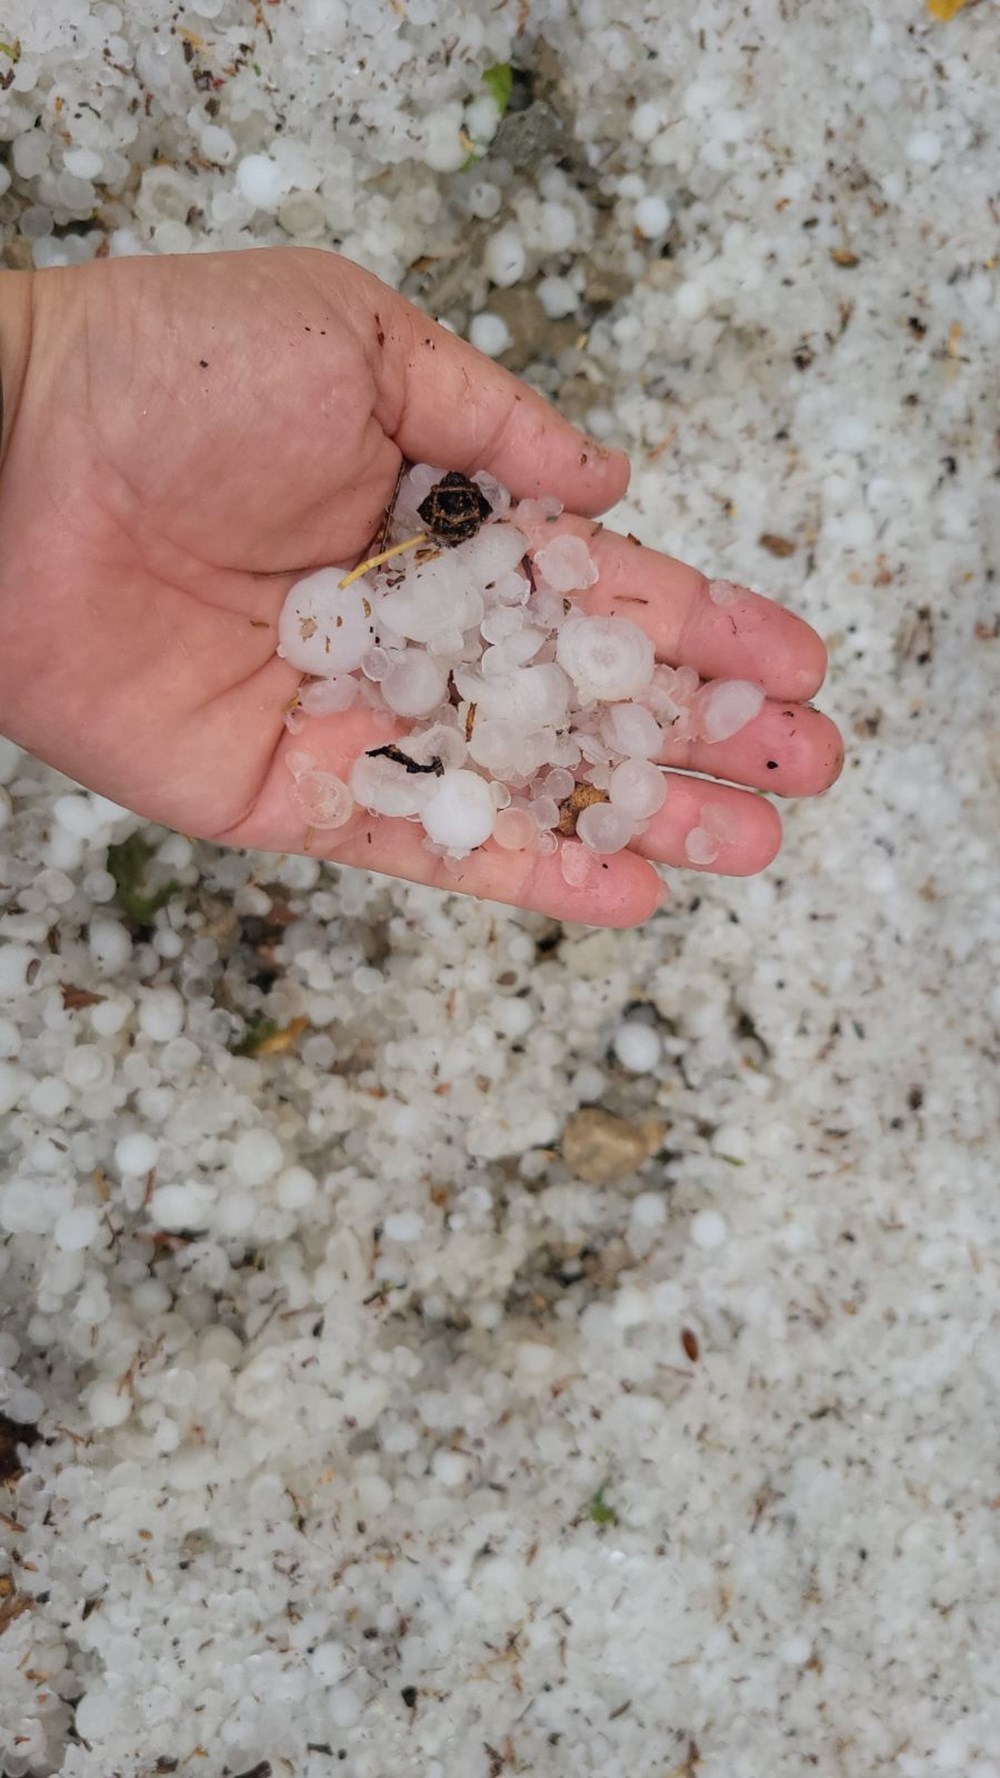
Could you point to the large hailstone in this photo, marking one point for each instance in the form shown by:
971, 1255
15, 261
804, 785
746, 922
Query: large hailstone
607, 658
325, 628
460, 812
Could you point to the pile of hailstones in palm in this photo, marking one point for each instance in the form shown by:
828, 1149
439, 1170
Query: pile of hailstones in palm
519, 718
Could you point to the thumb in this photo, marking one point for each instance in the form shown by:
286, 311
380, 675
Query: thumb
442, 402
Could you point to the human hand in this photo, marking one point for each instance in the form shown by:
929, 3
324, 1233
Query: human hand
185, 437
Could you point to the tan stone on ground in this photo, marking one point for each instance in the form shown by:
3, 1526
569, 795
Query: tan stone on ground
599, 1147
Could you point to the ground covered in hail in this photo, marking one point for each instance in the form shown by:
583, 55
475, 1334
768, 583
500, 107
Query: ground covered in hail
437, 1342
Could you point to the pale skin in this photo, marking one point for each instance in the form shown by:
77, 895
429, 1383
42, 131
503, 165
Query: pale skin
183, 438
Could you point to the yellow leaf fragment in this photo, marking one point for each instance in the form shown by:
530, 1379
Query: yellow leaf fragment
944, 9
279, 1041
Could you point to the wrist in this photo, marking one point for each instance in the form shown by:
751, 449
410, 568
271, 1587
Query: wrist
16, 293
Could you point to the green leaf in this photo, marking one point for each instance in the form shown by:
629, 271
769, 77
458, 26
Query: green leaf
500, 80
128, 863
732, 1160
258, 1030
600, 1511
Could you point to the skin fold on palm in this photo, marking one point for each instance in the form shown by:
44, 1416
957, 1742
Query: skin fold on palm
184, 438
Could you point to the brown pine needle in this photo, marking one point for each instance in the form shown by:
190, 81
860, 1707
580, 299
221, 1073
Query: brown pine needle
383, 556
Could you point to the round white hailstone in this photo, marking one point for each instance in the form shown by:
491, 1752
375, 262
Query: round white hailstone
558, 297
924, 148
649, 1210
450, 1468
136, 1154
489, 333
632, 730
459, 813
484, 199
544, 811
108, 1406
557, 227
652, 217
438, 742
172, 237
559, 783
23, 1405
261, 181
726, 706
323, 800
12, 1084
608, 658
637, 787
701, 847
525, 695
482, 115
387, 788
257, 1157
185, 1206
344, 1707
444, 150
330, 1662
514, 651
99, 885
325, 628
567, 564
708, 1229
83, 163
86, 1067
109, 1016
637, 1047
10, 760
795, 1651
691, 300
494, 551
501, 622
603, 828
236, 1214
724, 592
328, 697
295, 1188
505, 258
30, 153
434, 597
48, 1098
161, 1014
415, 685
76, 815
10, 1039
220, 1345
75, 1231
576, 864
15, 961
515, 830
648, 120
217, 144
405, 1225
494, 492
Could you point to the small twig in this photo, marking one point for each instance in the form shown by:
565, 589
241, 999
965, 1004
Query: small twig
383, 556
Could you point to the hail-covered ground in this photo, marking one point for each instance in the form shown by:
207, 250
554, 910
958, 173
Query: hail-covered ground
441, 1343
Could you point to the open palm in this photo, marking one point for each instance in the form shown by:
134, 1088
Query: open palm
190, 436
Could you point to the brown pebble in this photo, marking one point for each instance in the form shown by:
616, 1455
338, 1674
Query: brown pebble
778, 546
599, 1147
578, 799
